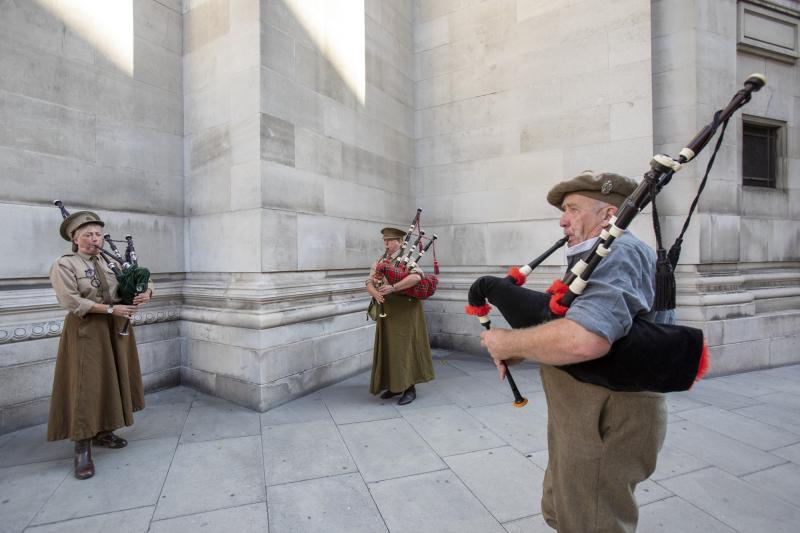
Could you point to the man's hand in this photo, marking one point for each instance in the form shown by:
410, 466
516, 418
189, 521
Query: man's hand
502, 366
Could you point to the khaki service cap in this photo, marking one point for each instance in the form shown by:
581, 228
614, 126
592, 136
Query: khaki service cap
604, 186
76, 220
393, 233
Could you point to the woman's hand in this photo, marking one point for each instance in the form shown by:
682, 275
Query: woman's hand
143, 298
125, 311
386, 289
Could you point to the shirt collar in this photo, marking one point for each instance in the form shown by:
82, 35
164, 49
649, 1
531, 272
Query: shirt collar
580, 247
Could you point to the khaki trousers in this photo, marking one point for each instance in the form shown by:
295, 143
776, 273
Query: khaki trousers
601, 444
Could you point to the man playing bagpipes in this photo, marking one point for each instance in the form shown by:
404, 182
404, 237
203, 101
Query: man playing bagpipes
601, 442
402, 354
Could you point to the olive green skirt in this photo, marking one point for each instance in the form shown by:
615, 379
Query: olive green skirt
402, 353
97, 384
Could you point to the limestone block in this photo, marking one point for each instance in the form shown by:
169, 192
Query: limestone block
280, 236
20, 353
343, 345
136, 104
224, 360
329, 242
23, 415
164, 379
433, 91
285, 187
210, 145
277, 50
284, 16
22, 383
479, 143
317, 153
277, 140
208, 189
47, 77
431, 34
160, 331
388, 78
372, 170
784, 240
397, 18
347, 199
247, 144
156, 356
754, 239
159, 22
385, 45
207, 65
246, 186
207, 107
121, 145
205, 23
783, 350
39, 126
631, 120
211, 249
198, 379
494, 22
156, 66
720, 234
391, 112
517, 243
629, 44
32, 26
739, 357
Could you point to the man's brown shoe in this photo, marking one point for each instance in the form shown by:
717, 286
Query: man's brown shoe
84, 467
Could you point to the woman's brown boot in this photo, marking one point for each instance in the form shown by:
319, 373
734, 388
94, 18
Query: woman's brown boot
84, 467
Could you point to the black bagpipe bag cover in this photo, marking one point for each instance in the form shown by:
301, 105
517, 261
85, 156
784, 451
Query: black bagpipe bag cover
652, 357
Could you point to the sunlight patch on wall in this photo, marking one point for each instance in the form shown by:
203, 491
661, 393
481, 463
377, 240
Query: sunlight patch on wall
337, 28
105, 24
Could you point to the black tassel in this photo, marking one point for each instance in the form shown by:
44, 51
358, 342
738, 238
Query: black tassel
665, 283
675, 253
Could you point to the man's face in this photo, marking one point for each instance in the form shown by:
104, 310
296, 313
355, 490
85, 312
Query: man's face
391, 245
584, 217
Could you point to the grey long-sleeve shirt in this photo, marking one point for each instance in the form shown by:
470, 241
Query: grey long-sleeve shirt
620, 288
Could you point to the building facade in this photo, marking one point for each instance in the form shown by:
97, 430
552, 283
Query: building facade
255, 148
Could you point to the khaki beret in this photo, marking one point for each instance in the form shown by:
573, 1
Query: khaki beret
604, 186
76, 220
393, 233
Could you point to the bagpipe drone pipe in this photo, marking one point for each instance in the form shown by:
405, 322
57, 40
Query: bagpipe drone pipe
651, 357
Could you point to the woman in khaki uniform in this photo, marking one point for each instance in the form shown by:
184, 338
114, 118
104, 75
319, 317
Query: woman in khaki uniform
97, 384
402, 353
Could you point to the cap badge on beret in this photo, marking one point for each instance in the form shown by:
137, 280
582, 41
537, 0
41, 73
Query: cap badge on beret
607, 186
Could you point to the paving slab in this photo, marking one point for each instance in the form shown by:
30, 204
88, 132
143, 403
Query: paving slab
24, 489
337, 504
305, 409
784, 417
748, 430
179, 394
444, 369
306, 450
485, 473
450, 430
676, 515
714, 448
472, 364
216, 422
531, 524
157, 421
523, 428
385, 449
782, 481
469, 391
747, 384
128, 521
436, 502
211, 475
353, 403
142, 465
790, 453
673, 462
29, 445
734, 502
428, 395
677, 402
649, 491
709, 392
527, 381
244, 519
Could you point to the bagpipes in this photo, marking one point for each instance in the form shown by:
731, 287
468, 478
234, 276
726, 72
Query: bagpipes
651, 357
132, 279
409, 256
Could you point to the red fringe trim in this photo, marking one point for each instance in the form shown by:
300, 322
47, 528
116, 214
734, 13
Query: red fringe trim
478, 310
558, 289
516, 275
705, 363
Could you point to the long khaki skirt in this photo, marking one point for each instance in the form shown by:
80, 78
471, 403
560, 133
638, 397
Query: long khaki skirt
98, 383
402, 353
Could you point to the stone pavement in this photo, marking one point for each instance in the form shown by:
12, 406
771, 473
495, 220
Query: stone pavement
459, 459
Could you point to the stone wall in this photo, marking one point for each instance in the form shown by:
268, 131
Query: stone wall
299, 146
91, 114
512, 97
